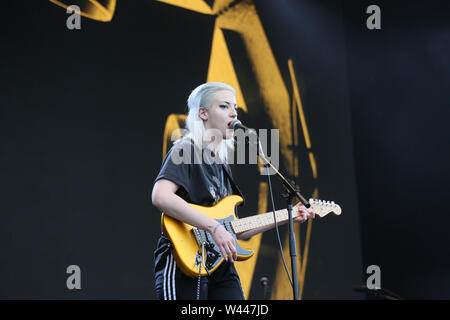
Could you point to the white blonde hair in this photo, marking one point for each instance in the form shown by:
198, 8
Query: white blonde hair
203, 96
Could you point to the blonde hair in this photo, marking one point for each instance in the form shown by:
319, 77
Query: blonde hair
203, 96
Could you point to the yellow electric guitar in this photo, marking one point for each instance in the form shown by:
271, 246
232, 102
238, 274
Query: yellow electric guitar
187, 240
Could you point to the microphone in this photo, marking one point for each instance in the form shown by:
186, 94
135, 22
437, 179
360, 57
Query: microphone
237, 124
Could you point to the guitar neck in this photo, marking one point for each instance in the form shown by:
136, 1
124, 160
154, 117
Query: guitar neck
261, 220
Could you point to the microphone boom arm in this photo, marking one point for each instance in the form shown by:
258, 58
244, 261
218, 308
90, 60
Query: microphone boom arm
287, 185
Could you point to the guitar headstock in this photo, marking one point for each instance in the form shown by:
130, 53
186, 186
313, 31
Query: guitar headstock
322, 208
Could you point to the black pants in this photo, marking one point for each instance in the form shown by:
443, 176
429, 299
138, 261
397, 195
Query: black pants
172, 284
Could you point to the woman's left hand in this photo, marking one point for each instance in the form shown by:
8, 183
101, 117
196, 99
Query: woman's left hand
304, 213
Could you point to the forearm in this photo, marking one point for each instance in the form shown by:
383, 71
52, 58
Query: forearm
175, 207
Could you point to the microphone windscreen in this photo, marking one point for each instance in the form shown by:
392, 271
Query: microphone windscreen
233, 123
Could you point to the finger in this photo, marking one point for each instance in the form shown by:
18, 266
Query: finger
305, 211
223, 251
299, 219
232, 248
229, 254
234, 251
305, 216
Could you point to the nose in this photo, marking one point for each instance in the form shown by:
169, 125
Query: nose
233, 113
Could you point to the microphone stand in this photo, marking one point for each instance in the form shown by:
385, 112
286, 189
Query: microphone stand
292, 193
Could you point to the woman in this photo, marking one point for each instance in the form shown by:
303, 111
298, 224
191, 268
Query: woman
204, 179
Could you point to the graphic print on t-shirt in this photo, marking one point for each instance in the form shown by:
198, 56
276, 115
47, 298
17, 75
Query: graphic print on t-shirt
218, 190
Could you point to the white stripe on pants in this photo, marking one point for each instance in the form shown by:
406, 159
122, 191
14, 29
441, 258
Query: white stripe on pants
169, 279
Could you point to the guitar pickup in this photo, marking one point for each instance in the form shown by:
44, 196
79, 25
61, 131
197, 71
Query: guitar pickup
198, 236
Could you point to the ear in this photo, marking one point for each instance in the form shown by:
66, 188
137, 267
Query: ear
203, 113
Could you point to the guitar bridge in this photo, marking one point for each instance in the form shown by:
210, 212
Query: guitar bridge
212, 255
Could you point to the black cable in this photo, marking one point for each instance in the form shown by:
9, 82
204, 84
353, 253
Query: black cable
276, 228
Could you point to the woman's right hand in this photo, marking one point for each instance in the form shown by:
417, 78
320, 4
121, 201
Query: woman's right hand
225, 241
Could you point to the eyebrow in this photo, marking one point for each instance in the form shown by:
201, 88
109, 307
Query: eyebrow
230, 103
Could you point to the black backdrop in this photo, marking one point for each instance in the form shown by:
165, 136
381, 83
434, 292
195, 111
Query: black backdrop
82, 116
399, 79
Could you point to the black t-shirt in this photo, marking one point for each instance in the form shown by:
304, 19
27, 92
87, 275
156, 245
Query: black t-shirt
201, 182
202, 179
